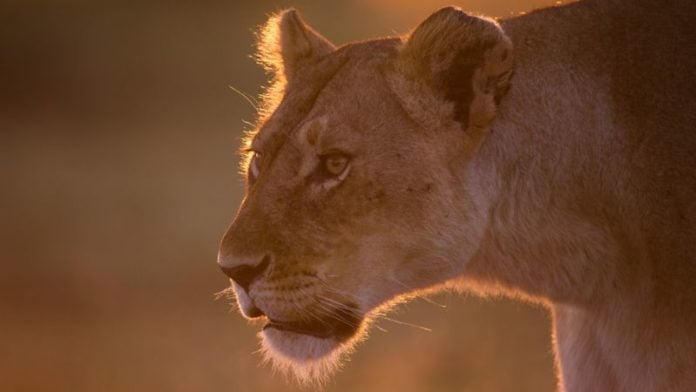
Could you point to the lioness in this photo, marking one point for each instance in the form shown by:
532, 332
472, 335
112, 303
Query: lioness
551, 156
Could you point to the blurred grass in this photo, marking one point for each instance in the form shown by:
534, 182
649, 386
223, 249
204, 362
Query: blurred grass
118, 174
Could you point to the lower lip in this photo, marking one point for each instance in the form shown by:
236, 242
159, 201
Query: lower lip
298, 330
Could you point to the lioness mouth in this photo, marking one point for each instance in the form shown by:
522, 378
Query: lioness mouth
340, 324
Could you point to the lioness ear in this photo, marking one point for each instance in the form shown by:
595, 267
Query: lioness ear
286, 42
464, 60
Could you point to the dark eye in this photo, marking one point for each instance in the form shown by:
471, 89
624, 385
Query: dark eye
335, 163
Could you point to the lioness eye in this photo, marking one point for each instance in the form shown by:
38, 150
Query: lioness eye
254, 165
335, 164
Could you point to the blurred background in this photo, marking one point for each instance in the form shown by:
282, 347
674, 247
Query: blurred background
118, 176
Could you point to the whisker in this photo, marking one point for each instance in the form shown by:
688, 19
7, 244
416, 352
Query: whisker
251, 100
311, 315
334, 302
422, 328
336, 291
380, 315
433, 302
424, 297
251, 126
226, 292
330, 312
306, 314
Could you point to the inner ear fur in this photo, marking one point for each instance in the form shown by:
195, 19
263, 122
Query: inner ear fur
286, 42
462, 59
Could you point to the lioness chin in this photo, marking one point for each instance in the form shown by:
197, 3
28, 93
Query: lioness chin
552, 156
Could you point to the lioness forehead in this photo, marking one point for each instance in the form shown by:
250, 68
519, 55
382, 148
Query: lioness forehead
324, 90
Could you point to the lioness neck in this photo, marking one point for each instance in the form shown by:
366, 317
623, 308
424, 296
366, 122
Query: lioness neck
575, 221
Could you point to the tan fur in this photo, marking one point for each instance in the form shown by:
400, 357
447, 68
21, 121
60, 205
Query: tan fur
577, 190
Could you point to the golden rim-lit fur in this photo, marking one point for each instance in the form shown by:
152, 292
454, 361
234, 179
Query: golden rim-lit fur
550, 157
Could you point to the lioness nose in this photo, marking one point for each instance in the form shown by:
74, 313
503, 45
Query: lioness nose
245, 274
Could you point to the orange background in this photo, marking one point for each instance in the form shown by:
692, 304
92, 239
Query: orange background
118, 140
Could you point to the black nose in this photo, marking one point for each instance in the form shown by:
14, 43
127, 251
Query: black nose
245, 274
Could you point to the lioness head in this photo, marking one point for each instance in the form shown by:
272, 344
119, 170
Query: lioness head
354, 193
